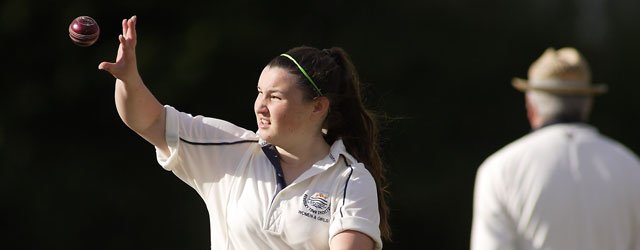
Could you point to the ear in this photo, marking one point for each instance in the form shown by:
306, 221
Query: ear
532, 114
321, 105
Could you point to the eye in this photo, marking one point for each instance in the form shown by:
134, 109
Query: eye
275, 97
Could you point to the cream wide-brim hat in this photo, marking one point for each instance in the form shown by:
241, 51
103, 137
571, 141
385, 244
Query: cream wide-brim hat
562, 72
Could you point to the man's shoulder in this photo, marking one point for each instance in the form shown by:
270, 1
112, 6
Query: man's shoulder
545, 137
515, 150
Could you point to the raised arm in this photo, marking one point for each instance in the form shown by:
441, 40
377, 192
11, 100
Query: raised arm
137, 106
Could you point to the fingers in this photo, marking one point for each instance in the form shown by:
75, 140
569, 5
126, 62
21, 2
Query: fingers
132, 27
127, 43
129, 27
109, 67
105, 66
124, 26
126, 59
128, 36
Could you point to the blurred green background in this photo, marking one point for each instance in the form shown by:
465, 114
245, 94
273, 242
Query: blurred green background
73, 176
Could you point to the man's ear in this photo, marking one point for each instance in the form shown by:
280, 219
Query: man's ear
532, 114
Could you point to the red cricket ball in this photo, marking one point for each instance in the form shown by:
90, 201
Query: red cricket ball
84, 31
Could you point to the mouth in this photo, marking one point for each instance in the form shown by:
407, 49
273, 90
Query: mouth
263, 123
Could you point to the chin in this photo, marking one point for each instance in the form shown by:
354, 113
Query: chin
264, 135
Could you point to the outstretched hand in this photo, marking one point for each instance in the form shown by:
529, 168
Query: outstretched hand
125, 67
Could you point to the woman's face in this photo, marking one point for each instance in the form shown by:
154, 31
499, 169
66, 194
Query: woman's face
282, 114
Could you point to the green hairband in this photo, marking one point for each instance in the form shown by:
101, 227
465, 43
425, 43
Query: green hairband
304, 73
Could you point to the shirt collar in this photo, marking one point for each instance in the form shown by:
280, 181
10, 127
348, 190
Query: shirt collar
560, 120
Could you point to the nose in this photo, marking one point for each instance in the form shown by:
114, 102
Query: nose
260, 105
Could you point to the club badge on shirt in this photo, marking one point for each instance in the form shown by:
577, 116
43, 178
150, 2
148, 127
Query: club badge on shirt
317, 206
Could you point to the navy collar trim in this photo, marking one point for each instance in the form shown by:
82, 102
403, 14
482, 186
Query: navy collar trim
274, 157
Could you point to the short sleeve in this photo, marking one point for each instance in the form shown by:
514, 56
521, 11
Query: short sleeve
171, 136
202, 149
492, 227
357, 209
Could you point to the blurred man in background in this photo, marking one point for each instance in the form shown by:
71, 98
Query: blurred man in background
564, 185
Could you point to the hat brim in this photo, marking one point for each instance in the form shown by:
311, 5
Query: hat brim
524, 86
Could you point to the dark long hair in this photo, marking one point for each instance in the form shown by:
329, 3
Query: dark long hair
348, 118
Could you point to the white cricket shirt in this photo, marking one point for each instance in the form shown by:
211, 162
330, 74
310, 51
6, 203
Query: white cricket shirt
227, 167
564, 186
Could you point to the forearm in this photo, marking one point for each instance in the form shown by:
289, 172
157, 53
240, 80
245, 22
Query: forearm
140, 110
351, 240
136, 105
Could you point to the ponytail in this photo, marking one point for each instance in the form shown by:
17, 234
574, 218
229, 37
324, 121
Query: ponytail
357, 126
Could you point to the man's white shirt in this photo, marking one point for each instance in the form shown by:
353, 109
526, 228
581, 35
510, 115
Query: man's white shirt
564, 186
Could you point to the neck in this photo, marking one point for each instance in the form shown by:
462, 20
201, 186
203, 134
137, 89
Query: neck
561, 119
304, 153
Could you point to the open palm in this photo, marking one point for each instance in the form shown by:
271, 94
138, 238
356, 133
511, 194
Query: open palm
125, 67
